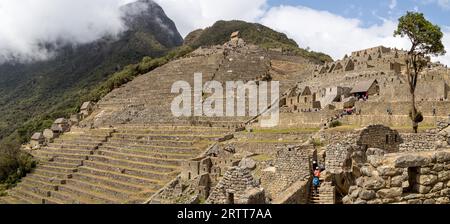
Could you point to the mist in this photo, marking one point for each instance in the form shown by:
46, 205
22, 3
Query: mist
31, 30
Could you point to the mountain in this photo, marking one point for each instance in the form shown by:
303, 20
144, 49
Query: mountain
32, 95
253, 33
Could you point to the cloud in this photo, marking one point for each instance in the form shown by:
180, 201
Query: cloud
393, 4
320, 30
330, 33
444, 4
193, 14
28, 24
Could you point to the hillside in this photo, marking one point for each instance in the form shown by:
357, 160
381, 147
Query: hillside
33, 95
252, 33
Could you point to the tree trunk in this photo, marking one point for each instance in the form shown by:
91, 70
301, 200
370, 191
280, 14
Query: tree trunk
414, 111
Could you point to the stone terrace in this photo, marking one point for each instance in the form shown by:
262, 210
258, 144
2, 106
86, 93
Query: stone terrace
127, 164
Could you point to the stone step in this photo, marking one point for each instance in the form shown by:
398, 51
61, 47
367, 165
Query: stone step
107, 181
36, 189
153, 142
51, 174
171, 132
67, 160
66, 151
151, 153
156, 149
129, 171
57, 169
12, 200
46, 186
80, 141
171, 163
171, 137
72, 146
45, 179
27, 196
133, 164
69, 198
93, 196
145, 182
58, 164
55, 155
89, 137
104, 191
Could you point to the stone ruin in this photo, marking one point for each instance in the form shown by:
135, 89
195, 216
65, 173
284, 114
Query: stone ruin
374, 165
237, 187
292, 164
403, 178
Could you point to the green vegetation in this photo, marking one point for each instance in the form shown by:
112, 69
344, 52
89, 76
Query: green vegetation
14, 164
252, 33
318, 143
286, 130
262, 157
335, 124
426, 40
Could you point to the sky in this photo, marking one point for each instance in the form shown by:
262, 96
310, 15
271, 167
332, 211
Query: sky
335, 27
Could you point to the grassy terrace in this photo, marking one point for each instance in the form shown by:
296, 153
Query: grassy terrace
401, 129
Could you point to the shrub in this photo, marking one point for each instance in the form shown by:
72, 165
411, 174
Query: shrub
334, 124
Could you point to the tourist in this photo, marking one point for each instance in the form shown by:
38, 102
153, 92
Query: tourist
314, 166
316, 181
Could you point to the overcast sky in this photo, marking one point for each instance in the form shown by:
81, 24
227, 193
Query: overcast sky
330, 26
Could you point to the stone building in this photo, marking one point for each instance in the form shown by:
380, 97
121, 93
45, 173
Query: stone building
237, 187
365, 89
61, 124
86, 109
37, 139
49, 134
302, 100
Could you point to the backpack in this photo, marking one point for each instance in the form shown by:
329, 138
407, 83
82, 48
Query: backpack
316, 181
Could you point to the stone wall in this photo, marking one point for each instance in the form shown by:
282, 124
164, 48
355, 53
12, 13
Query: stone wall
297, 193
291, 164
403, 108
388, 120
421, 142
405, 178
379, 136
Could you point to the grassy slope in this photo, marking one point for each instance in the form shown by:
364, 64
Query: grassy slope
253, 33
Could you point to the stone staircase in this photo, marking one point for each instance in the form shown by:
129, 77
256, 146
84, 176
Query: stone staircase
124, 164
325, 196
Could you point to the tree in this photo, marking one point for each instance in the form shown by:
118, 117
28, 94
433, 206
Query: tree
426, 40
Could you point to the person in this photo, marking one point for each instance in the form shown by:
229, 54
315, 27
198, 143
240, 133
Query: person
316, 181
314, 166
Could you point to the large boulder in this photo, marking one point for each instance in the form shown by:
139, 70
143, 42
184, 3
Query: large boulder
442, 156
390, 193
248, 163
411, 160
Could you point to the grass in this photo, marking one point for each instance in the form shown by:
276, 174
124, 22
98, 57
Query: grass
403, 129
262, 157
286, 130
